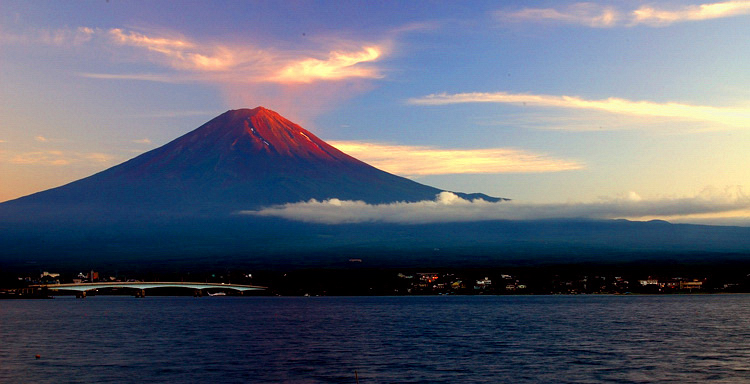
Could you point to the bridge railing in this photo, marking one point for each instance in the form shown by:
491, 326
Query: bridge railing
142, 285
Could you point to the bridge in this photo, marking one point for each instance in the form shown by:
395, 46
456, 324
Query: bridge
141, 286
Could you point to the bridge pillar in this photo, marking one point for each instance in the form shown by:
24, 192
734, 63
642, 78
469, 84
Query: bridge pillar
81, 295
197, 293
141, 293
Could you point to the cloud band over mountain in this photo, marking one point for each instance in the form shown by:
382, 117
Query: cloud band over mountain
448, 207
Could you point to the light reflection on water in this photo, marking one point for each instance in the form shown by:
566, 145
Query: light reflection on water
576, 339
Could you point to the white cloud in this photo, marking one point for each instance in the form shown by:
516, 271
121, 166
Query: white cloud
448, 207
726, 116
601, 16
661, 17
588, 14
41, 139
422, 160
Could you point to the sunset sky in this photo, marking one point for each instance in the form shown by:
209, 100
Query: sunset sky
645, 105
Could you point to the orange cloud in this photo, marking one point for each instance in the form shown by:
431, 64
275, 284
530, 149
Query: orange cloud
223, 63
340, 65
183, 54
302, 82
422, 160
299, 84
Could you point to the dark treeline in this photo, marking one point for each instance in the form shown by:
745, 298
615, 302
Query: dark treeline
357, 278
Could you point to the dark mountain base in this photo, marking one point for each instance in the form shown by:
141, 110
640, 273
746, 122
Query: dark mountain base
184, 244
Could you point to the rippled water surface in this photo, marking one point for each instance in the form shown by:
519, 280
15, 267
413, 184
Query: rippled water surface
576, 339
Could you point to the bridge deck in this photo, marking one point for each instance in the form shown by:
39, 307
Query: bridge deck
82, 287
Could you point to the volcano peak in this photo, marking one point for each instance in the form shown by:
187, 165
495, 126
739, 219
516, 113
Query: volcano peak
250, 112
259, 130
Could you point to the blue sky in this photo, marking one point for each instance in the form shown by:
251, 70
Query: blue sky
547, 102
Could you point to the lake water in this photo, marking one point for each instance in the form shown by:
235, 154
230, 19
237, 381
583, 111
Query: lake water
459, 339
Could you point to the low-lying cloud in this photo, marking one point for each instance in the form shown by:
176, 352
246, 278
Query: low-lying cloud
448, 207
